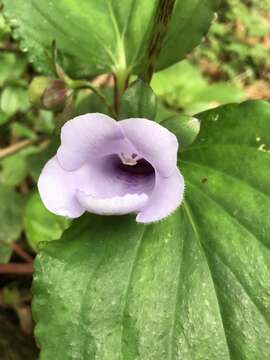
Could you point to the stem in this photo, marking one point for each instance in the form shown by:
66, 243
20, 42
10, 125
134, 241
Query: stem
16, 268
159, 31
80, 84
116, 96
17, 147
121, 79
23, 254
9, 47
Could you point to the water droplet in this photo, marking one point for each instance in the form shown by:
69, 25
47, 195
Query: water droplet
215, 118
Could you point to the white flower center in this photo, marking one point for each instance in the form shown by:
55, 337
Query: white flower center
130, 160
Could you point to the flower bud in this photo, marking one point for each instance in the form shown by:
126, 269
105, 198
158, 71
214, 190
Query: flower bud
48, 93
37, 88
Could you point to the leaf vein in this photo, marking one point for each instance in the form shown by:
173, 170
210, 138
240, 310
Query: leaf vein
197, 234
221, 258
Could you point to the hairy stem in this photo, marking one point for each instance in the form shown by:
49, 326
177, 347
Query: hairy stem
121, 80
159, 31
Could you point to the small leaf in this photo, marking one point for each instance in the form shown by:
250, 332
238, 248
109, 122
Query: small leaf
3, 117
138, 101
89, 102
13, 99
185, 128
44, 122
21, 130
11, 215
40, 224
164, 112
11, 67
14, 168
4, 28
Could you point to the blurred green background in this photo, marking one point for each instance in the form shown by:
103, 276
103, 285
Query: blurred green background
231, 65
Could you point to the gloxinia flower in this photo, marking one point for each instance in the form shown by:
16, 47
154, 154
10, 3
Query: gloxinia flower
112, 168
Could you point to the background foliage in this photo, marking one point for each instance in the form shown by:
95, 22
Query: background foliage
231, 65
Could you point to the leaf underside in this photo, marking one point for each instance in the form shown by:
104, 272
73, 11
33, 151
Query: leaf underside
195, 286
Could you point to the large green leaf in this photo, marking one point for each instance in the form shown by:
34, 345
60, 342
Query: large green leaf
195, 286
105, 35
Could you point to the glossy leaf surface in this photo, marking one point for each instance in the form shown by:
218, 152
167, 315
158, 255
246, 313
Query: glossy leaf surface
138, 101
195, 286
100, 36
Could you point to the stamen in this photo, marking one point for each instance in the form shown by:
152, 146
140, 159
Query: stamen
127, 160
141, 167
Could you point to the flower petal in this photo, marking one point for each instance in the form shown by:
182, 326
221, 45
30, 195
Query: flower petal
166, 197
89, 135
154, 142
57, 190
117, 205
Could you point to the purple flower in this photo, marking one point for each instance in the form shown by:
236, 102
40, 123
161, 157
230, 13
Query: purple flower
111, 168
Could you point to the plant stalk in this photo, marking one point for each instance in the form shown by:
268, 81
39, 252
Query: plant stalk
18, 146
16, 269
159, 31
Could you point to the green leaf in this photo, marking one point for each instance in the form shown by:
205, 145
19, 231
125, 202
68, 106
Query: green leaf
14, 169
138, 101
220, 93
102, 36
11, 67
164, 112
170, 82
14, 99
44, 122
182, 86
40, 224
21, 130
195, 286
3, 117
4, 28
185, 128
11, 212
89, 102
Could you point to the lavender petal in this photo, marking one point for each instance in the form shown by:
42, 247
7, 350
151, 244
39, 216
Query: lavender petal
154, 142
117, 205
56, 187
89, 135
166, 197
